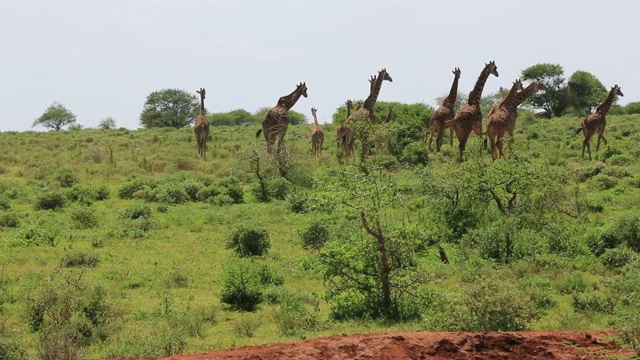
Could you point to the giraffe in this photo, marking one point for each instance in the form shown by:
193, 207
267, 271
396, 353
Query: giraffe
495, 107
437, 124
596, 121
344, 134
276, 121
380, 133
469, 117
201, 127
363, 118
317, 136
503, 119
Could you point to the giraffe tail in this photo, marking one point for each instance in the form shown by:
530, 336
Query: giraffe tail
258, 133
577, 131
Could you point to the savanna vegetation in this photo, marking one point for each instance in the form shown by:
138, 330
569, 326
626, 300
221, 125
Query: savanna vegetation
122, 243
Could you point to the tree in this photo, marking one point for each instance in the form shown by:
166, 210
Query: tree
552, 98
169, 108
632, 108
107, 123
584, 92
56, 116
233, 118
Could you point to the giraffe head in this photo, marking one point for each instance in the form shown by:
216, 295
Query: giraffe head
517, 85
385, 75
456, 72
617, 90
313, 111
302, 87
537, 85
202, 93
493, 68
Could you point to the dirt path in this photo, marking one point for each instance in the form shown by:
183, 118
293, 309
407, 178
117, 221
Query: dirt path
561, 345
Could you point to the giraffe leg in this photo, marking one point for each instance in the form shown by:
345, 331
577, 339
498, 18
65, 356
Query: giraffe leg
600, 138
429, 134
461, 146
440, 135
501, 147
492, 141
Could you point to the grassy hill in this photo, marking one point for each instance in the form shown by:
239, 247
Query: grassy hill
115, 241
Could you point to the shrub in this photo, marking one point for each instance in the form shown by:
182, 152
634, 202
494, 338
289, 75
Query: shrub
269, 277
297, 202
87, 194
385, 161
192, 187
136, 211
415, 153
616, 258
249, 240
11, 350
588, 172
65, 178
241, 288
84, 218
9, 220
4, 203
617, 172
315, 236
279, 188
621, 160
292, 317
603, 182
234, 190
172, 194
593, 301
600, 239
209, 192
127, 189
50, 200
627, 229
79, 258
220, 200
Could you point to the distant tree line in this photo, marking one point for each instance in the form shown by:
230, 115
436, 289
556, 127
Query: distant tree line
576, 96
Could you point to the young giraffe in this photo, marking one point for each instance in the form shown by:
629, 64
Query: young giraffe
437, 123
380, 133
201, 127
469, 117
344, 135
595, 122
502, 120
362, 119
276, 120
317, 136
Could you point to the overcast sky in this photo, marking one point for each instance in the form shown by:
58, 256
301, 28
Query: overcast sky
103, 57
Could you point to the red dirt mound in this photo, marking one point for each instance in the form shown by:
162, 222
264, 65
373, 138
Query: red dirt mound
561, 345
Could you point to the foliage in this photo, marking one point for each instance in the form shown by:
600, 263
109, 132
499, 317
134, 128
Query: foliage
552, 97
107, 123
315, 235
241, 288
632, 108
584, 92
293, 117
55, 117
169, 108
50, 200
249, 240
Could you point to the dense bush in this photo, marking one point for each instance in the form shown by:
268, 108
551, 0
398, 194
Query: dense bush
9, 219
241, 287
84, 217
87, 194
65, 178
50, 200
129, 188
616, 258
136, 211
249, 240
315, 235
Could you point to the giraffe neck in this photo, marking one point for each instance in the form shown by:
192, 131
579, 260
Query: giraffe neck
289, 100
370, 102
476, 93
315, 119
525, 93
450, 100
511, 100
606, 105
348, 110
201, 105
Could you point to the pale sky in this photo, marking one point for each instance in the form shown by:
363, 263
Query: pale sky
102, 58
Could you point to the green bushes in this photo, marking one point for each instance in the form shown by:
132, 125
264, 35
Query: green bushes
50, 200
87, 194
315, 235
241, 288
249, 240
9, 220
84, 217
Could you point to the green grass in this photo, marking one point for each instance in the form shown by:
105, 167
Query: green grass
162, 285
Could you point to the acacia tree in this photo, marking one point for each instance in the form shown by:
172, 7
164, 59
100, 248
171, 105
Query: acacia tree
584, 92
370, 272
552, 98
169, 108
107, 123
56, 116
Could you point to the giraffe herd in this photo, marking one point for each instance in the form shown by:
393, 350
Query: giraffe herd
362, 123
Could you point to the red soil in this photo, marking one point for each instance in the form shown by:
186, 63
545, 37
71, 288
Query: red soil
561, 345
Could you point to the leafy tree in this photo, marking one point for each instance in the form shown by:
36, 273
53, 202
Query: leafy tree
233, 118
169, 108
107, 123
552, 98
584, 92
295, 118
56, 116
